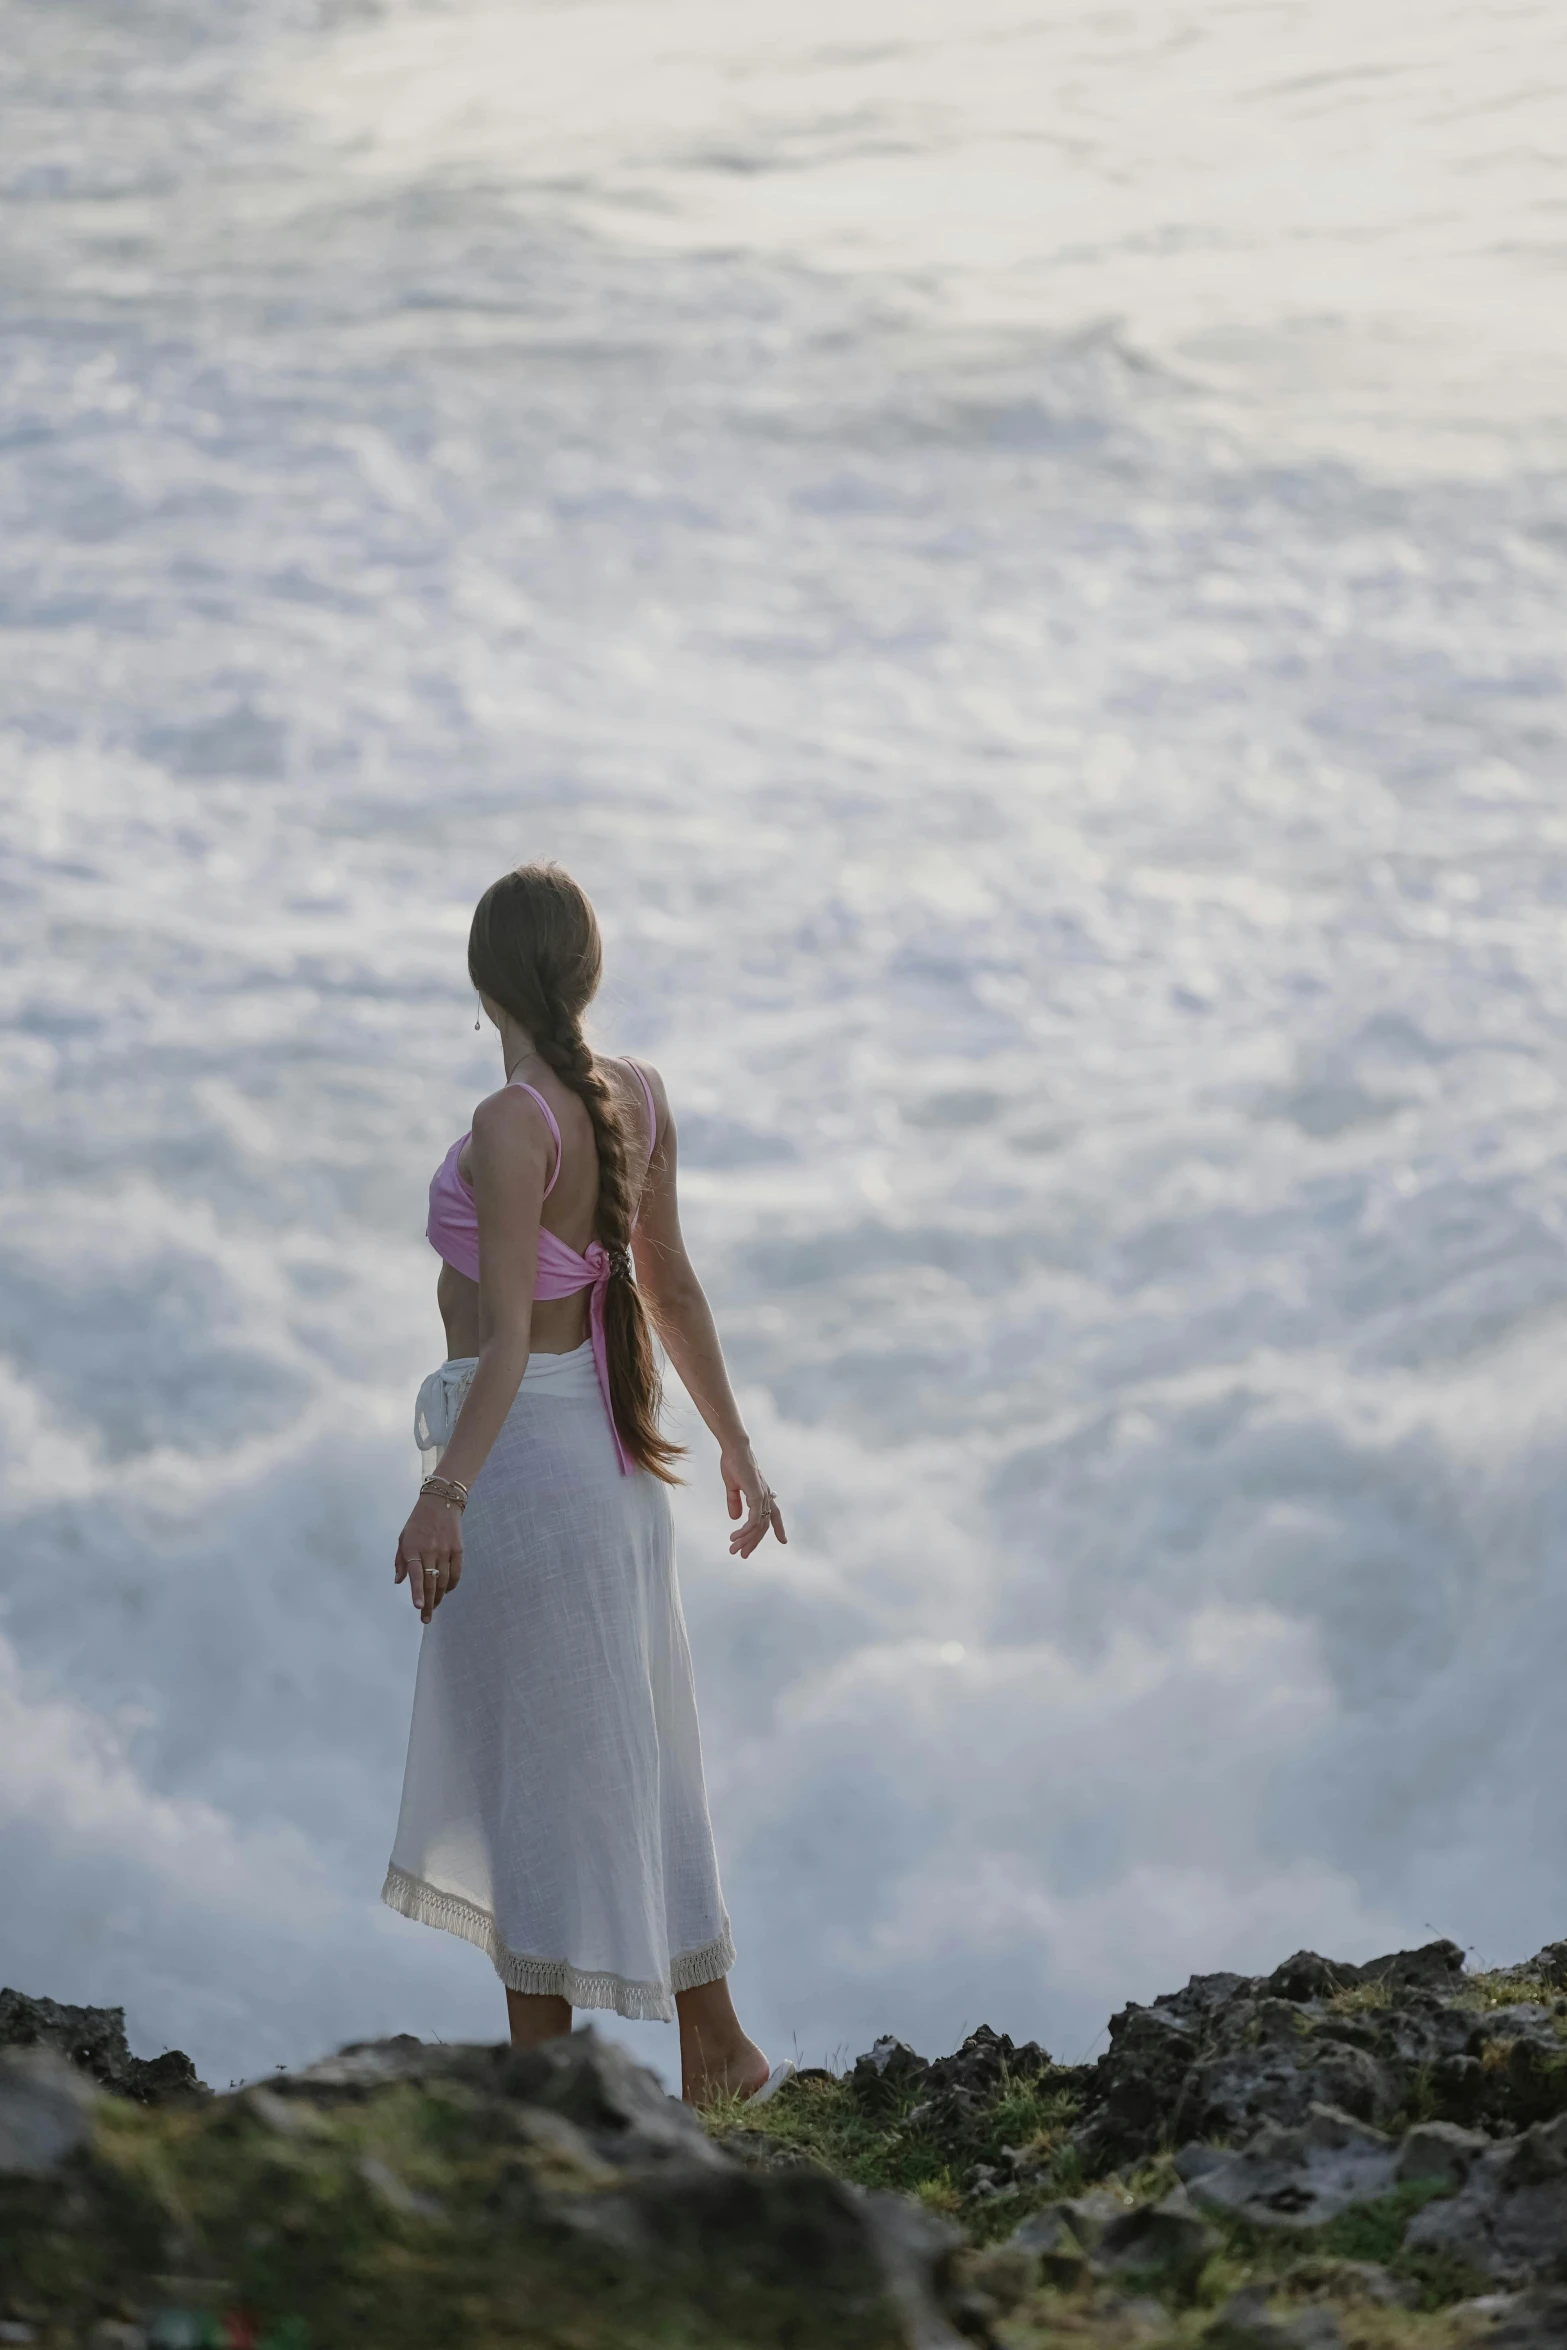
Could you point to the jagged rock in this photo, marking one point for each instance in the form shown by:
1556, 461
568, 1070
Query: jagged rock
1528, 2020
1302, 2177
1258, 2061
1205, 1997
1526, 2321
93, 2039
1137, 2317
985, 2061
1230, 2053
1313, 2329
888, 2068
566, 2163
951, 2100
623, 2108
775, 2227
1547, 1966
394, 2191
993, 2282
1440, 2152
1522, 2064
1087, 2216
889, 2055
590, 2172
1307, 1976
1246, 2322
1140, 2079
623, 2111
952, 2090
918, 2255
1509, 2218
362, 2068
1167, 2240
1061, 2237
45, 2111
569, 2159
1363, 2283
1435, 1966
1196, 2157
1250, 2082
759, 2150
285, 2117
1420, 2031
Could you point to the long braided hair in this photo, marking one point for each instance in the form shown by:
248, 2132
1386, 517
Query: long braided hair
534, 949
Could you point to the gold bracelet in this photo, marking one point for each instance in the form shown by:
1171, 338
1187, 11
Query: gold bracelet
446, 1489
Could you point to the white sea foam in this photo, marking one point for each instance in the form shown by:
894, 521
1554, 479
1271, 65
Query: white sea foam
986, 541
1346, 215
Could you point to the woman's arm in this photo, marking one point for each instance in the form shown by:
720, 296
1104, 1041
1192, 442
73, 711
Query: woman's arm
684, 1321
511, 1153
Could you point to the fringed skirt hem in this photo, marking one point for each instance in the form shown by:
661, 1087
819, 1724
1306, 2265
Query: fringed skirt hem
557, 1978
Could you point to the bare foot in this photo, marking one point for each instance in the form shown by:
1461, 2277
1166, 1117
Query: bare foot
716, 2058
756, 2072
715, 2076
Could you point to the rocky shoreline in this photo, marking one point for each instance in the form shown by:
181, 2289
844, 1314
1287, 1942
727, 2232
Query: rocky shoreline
1326, 2156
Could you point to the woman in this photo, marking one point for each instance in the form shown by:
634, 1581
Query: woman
553, 1804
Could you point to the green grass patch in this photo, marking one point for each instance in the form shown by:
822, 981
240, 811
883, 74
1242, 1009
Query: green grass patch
1375, 2231
1440, 2277
883, 2139
1367, 2232
1501, 1990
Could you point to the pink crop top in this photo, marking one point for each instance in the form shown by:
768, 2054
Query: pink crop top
453, 1232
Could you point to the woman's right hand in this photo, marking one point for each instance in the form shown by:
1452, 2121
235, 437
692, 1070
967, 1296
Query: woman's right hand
429, 1553
746, 1488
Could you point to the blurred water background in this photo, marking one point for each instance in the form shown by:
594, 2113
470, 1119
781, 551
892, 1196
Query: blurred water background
1018, 550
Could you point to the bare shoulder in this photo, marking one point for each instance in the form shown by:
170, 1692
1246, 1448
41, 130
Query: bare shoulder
655, 1081
633, 1075
510, 1121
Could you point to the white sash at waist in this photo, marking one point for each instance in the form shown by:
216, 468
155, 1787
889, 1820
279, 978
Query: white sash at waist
440, 1398
439, 1401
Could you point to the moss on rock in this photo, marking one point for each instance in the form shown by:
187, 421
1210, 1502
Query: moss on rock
400, 2197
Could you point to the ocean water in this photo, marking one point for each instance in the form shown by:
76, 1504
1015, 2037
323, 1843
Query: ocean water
1018, 551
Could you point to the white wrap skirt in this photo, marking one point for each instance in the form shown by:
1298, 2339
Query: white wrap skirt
554, 1810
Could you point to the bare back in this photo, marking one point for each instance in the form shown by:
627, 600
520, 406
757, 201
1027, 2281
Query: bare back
559, 1325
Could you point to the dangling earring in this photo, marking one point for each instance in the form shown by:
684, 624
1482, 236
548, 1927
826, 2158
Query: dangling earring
475, 1015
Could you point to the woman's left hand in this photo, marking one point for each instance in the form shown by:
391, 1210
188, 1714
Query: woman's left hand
746, 1488
429, 1553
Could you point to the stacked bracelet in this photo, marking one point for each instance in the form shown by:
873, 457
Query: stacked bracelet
446, 1489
